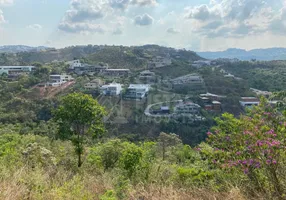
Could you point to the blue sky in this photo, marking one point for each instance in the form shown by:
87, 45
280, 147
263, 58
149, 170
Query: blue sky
193, 24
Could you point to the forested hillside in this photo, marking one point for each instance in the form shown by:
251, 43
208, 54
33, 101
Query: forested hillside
115, 56
269, 76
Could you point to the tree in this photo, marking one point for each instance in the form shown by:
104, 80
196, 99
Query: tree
254, 143
166, 140
79, 116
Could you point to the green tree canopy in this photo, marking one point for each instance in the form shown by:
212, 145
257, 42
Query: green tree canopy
79, 116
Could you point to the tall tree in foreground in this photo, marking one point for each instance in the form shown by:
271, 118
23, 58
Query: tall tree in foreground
79, 116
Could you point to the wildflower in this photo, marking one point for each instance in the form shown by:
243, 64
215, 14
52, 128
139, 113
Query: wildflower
244, 162
274, 162
268, 162
246, 171
238, 153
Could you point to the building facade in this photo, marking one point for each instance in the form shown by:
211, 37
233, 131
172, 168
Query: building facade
112, 89
16, 69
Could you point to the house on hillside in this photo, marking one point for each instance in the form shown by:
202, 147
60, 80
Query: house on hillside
116, 72
74, 63
112, 89
147, 75
191, 82
187, 108
16, 69
137, 91
94, 84
261, 92
90, 69
201, 63
210, 96
249, 101
57, 80
159, 61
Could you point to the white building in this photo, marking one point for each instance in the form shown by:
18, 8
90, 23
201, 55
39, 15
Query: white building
111, 89
74, 63
249, 101
187, 108
58, 80
16, 69
137, 91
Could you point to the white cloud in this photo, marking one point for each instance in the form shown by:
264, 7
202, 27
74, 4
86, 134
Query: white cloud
2, 19
35, 26
117, 31
6, 2
81, 27
233, 18
143, 20
124, 4
172, 31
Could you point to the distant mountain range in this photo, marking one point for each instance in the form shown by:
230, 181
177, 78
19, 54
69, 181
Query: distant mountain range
20, 48
241, 54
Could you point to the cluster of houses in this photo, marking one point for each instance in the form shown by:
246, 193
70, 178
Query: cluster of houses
133, 92
102, 69
212, 102
181, 109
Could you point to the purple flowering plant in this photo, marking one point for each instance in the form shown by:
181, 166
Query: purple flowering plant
254, 143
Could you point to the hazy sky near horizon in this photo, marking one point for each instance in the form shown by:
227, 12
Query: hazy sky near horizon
200, 25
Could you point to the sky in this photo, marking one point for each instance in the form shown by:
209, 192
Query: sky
199, 25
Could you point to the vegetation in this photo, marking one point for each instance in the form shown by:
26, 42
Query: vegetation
79, 116
269, 76
243, 158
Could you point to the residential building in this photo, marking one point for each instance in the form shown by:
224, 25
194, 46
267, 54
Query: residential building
147, 75
111, 89
201, 63
116, 72
94, 84
210, 96
261, 92
229, 76
159, 61
188, 79
74, 63
90, 69
16, 69
189, 82
58, 80
137, 91
187, 108
249, 101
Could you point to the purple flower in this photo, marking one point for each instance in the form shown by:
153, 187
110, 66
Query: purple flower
268, 162
238, 153
274, 162
209, 133
246, 171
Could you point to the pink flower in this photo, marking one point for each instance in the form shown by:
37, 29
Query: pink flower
209, 133
238, 153
274, 162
